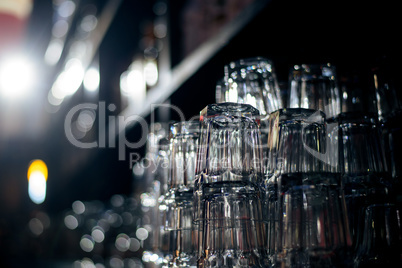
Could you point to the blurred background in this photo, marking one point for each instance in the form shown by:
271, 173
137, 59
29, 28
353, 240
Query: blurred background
77, 82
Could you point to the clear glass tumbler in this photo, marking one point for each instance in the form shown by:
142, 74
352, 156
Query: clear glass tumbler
306, 223
253, 81
314, 86
387, 84
179, 203
364, 170
183, 147
227, 191
162, 175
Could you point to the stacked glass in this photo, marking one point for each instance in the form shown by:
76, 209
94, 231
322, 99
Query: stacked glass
252, 81
152, 186
354, 142
227, 193
361, 153
279, 187
178, 203
382, 234
386, 82
305, 206
363, 168
162, 175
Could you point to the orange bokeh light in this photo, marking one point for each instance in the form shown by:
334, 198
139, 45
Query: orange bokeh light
37, 165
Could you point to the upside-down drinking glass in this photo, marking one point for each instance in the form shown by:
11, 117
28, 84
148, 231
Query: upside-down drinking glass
305, 209
314, 86
183, 149
227, 194
162, 175
387, 84
252, 81
363, 167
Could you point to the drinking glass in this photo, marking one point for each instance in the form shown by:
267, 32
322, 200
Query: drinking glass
162, 165
184, 145
391, 132
387, 84
179, 221
356, 95
162, 175
153, 187
382, 237
252, 81
314, 86
227, 195
305, 207
364, 171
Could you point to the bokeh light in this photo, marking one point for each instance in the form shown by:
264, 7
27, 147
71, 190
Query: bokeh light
37, 187
122, 242
53, 51
17, 76
69, 80
91, 79
135, 244
117, 200
86, 119
36, 226
37, 165
87, 243
151, 73
78, 207
37, 175
133, 83
141, 233
98, 234
116, 262
147, 200
89, 23
71, 222
66, 9
60, 28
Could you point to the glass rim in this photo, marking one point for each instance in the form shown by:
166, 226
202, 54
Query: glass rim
250, 61
247, 62
307, 71
299, 114
229, 108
